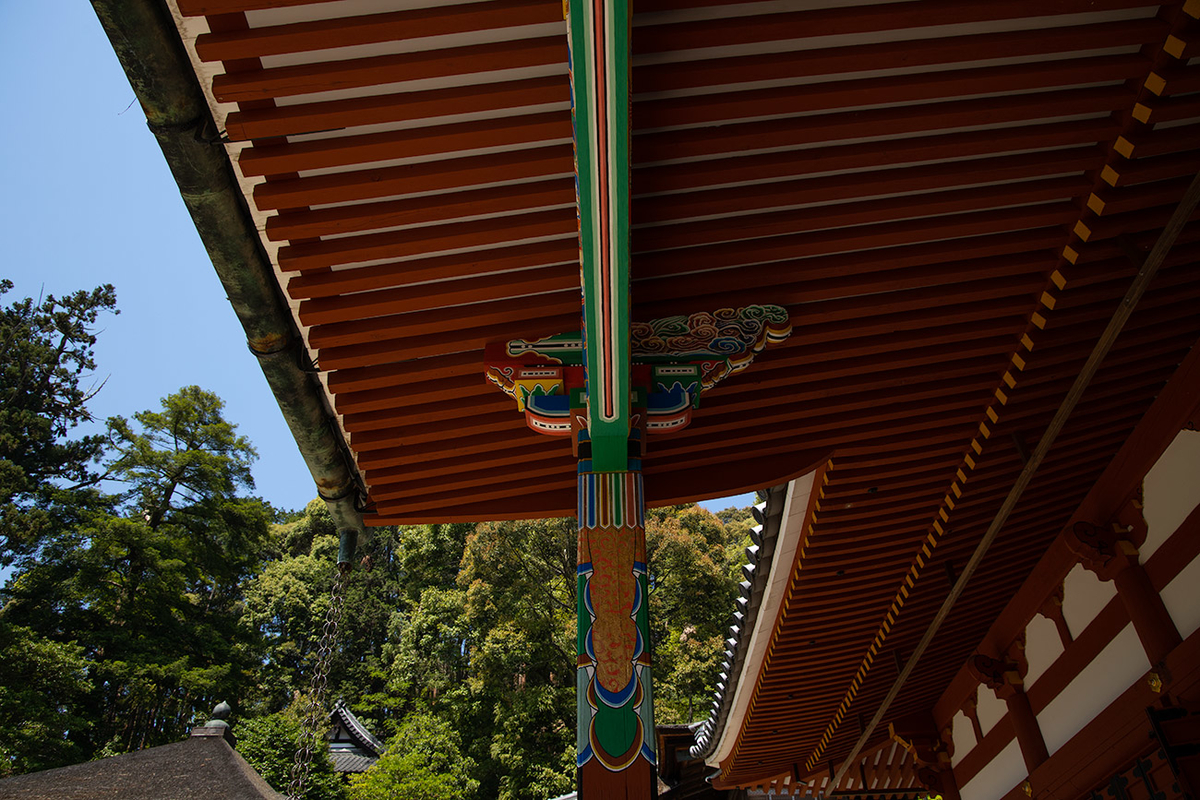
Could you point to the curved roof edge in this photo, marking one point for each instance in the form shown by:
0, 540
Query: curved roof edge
780, 512
367, 740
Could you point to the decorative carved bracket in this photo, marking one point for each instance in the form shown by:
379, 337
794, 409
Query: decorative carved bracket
1052, 609
947, 736
1102, 549
1015, 654
970, 709
675, 360
916, 734
927, 747
1000, 675
1130, 518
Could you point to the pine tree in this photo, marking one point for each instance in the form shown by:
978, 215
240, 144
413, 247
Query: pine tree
46, 353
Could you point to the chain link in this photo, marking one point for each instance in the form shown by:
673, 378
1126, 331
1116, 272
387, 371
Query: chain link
312, 723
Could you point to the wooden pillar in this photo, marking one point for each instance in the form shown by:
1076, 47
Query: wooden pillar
1107, 552
948, 785
1029, 735
930, 751
1004, 677
615, 733
1147, 612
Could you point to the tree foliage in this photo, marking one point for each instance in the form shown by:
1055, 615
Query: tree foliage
46, 350
692, 562
268, 743
44, 682
130, 612
147, 582
423, 762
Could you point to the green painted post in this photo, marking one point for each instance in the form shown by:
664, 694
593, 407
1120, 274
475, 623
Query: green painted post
598, 34
615, 722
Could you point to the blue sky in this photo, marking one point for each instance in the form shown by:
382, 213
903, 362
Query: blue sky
88, 199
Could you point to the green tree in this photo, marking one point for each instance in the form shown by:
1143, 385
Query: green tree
268, 743
519, 581
151, 588
692, 595
40, 696
46, 350
424, 761
533, 743
286, 602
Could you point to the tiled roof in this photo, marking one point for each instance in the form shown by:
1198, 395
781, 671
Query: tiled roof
768, 513
199, 768
351, 760
365, 739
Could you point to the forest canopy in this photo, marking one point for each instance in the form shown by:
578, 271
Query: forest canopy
147, 582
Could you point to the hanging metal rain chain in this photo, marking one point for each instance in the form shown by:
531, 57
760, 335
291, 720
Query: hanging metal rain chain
311, 725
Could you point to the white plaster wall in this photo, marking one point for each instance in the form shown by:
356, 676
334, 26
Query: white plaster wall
990, 710
1042, 647
1084, 595
963, 735
1172, 490
1114, 670
1182, 599
1001, 774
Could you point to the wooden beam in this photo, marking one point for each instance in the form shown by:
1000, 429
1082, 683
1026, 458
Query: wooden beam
405, 107
431, 296
835, 157
195, 8
517, 131
493, 232
396, 26
358, 218
759, 28
420, 178
901, 55
795, 132
374, 351
738, 104
555, 252
948, 206
471, 62
1183, 212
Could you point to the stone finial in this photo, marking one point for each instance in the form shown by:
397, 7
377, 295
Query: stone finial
216, 725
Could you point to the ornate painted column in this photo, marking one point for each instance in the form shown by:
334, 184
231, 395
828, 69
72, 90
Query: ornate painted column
615, 710
672, 362
608, 387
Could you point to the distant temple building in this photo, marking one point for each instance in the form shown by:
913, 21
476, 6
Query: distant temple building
351, 746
